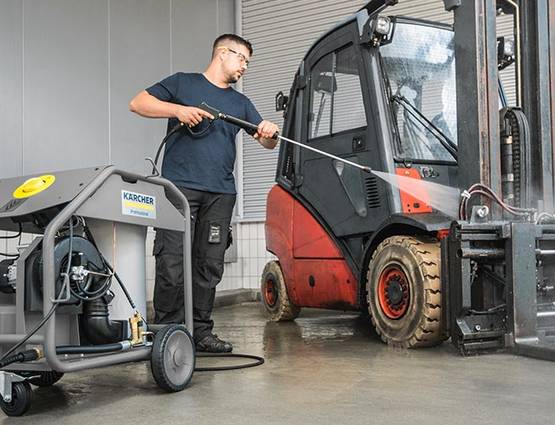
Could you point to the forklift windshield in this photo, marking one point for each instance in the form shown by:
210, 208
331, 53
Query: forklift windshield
419, 69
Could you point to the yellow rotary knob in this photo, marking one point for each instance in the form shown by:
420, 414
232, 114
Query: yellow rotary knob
33, 186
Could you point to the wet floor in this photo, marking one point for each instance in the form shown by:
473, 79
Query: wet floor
324, 368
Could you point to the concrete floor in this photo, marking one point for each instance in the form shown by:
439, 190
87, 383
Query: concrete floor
324, 368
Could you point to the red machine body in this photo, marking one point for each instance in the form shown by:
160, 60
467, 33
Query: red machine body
316, 273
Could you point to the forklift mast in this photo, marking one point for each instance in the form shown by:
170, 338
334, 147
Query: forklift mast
498, 268
476, 49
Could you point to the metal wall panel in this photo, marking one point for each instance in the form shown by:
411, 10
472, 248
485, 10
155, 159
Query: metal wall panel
138, 58
195, 29
11, 88
70, 67
65, 84
281, 33
188, 42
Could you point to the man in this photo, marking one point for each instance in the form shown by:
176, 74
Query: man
199, 160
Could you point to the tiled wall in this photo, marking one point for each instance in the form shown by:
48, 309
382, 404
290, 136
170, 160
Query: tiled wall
251, 258
243, 273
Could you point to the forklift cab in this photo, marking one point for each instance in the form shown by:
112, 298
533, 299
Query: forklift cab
384, 98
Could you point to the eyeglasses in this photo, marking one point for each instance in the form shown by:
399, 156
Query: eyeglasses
241, 56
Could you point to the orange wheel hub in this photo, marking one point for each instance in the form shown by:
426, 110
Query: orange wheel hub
270, 292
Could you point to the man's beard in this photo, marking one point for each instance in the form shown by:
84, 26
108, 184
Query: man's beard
233, 78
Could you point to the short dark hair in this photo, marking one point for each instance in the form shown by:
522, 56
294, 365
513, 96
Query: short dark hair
233, 38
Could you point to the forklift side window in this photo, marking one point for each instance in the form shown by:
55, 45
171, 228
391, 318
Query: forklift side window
348, 105
322, 83
336, 95
419, 67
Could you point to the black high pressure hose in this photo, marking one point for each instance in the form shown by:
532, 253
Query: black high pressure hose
257, 360
30, 334
23, 356
178, 127
93, 349
175, 129
157, 327
35, 354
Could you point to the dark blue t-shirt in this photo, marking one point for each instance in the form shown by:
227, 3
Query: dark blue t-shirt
203, 162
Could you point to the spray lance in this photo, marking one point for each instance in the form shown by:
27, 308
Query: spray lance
407, 184
251, 129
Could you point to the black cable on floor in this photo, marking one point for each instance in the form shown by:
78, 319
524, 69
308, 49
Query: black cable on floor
257, 361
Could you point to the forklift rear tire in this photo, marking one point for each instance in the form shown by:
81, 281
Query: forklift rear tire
404, 291
46, 379
173, 358
22, 395
276, 302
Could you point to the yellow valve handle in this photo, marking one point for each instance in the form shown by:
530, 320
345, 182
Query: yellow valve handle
33, 186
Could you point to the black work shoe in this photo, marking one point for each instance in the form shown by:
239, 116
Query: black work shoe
212, 344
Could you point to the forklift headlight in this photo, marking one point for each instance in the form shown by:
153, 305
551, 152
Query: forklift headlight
505, 52
509, 47
383, 25
377, 31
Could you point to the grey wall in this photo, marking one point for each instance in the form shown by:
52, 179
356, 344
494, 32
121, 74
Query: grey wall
68, 69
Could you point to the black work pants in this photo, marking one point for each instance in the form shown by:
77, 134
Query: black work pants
210, 218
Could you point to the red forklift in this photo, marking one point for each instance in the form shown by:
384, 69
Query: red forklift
422, 100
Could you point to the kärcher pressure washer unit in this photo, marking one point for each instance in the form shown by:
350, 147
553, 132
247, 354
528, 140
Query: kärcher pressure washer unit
75, 297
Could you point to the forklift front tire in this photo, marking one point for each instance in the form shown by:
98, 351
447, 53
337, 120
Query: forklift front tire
404, 291
277, 304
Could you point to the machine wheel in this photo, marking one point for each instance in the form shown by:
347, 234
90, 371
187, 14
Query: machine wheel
46, 379
173, 358
276, 302
404, 291
21, 399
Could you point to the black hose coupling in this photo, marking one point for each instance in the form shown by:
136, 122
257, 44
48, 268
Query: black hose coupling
23, 356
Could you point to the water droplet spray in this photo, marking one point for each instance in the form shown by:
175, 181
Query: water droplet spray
442, 198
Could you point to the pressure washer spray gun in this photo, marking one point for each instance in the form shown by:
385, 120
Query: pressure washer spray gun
251, 129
